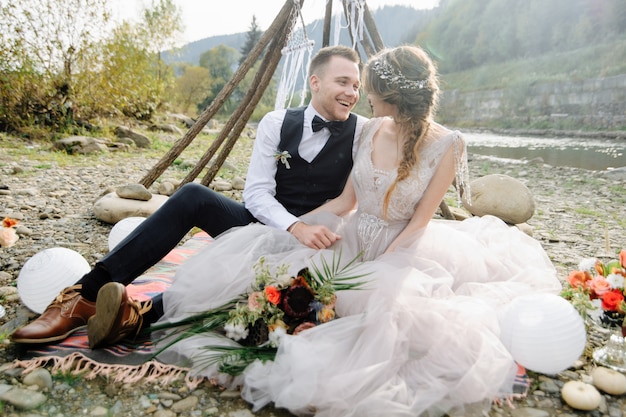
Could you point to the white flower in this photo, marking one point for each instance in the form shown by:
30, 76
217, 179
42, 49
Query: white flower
587, 264
615, 280
283, 280
597, 312
236, 331
282, 157
276, 335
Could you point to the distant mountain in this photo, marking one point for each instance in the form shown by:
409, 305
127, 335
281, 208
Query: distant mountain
191, 52
396, 25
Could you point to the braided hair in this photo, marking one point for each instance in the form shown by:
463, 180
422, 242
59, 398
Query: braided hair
406, 77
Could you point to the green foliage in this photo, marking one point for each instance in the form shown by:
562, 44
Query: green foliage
464, 35
252, 38
191, 88
59, 63
40, 44
68, 377
220, 62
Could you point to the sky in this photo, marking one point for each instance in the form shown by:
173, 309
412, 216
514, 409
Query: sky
206, 18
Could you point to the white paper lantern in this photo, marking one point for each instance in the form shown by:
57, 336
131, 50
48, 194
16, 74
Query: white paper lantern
543, 332
122, 229
46, 274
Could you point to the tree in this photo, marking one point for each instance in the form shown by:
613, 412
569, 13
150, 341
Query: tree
121, 77
192, 87
41, 42
160, 27
61, 60
220, 61
252, 38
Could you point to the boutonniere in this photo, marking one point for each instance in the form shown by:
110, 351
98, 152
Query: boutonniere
282, 157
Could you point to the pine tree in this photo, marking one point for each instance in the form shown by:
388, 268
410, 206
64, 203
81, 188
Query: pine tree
252, 37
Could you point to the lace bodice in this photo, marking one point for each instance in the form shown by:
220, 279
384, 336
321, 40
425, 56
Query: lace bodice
371, 184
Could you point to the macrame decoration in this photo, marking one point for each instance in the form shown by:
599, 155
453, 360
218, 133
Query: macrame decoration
297, 55
355, 10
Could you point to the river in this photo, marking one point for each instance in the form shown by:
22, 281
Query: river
592, 154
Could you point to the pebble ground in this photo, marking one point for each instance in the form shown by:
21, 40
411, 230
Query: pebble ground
579, 214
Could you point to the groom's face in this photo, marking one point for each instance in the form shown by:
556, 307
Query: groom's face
335, 88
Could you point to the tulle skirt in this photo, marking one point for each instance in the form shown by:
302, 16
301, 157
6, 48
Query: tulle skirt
421, 338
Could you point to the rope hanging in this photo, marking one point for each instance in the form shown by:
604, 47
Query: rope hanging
297, 54
355, 21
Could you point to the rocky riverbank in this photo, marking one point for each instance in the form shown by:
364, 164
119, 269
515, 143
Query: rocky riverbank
579, 214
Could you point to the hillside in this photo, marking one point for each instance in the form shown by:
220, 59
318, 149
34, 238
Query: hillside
516, 57
396, 25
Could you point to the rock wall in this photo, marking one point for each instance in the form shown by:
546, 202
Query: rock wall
593, 103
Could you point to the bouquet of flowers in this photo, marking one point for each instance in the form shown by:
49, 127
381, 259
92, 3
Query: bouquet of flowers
277, 304
596, 289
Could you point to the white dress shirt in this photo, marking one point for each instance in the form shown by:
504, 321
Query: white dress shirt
260, 190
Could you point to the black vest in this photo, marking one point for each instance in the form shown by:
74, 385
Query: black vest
305, 186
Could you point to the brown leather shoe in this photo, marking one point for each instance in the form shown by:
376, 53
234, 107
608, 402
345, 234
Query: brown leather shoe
117, 316
66, 314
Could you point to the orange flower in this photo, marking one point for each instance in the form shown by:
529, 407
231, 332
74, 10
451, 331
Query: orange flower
325, 315
622, 258
8, 222
272, 294
612, 300
599, 268
578, 278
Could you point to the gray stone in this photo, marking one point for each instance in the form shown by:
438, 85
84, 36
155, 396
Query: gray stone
142, 141
238, 183
186, 120
168, 187
501, 196
167, 128
186, 404
529, 412
23, 399
81, 145
134, 192
40, 377
615, 174
221, 185
111, 208
164, 413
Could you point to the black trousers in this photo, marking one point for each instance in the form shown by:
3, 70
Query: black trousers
193, 205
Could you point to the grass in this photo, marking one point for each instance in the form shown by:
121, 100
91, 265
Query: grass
68, 377
41, 154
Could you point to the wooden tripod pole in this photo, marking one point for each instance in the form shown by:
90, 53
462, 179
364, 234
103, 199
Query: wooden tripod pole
270, 62
222, 96
328, 14
258, 85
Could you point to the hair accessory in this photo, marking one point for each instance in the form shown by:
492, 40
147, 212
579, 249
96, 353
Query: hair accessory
386, 72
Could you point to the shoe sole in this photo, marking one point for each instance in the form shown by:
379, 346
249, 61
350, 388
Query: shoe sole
107, 308
48, 339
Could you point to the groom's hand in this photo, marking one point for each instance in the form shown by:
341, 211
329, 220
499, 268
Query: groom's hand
314, 236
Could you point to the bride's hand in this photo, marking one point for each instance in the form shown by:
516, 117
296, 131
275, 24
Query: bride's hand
314, 236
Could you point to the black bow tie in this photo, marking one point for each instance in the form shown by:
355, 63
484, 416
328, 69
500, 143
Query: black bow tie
335, 128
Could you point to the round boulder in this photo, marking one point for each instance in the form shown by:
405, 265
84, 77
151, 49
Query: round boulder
111, 208
501, 196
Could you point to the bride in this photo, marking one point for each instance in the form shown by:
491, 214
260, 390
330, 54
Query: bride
422, 337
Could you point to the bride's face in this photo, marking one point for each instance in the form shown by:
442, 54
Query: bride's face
381, 108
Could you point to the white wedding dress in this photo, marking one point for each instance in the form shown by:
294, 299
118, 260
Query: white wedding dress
421, 339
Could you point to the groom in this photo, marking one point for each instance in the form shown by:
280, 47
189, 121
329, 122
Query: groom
301, 158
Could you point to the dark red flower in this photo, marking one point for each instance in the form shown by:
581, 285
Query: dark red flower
297, 300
